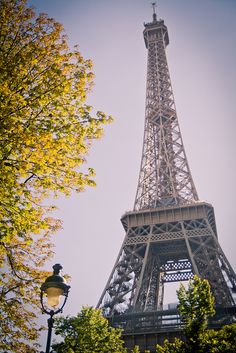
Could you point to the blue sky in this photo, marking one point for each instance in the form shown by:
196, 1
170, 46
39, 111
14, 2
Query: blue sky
201, 57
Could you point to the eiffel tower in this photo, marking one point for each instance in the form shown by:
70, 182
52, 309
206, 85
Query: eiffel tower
170, 235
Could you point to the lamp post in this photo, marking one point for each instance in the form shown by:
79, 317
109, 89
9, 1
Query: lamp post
52, 290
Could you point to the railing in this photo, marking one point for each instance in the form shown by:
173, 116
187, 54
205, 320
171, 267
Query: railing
155, 321
166, 320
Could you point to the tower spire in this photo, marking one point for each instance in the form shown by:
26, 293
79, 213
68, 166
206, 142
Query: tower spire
154, 6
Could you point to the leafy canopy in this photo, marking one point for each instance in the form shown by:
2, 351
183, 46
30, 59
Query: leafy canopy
46, 129
196, 305
88, 332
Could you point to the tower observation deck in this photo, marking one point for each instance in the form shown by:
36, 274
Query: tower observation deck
170, 234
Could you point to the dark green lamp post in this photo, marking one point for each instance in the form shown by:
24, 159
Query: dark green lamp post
52, 291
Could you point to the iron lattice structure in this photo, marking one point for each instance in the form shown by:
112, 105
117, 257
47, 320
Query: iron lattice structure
170, 234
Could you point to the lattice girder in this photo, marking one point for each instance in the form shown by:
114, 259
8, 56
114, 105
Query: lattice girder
167, 245
165, 176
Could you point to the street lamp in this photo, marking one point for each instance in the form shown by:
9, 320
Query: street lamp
52, 290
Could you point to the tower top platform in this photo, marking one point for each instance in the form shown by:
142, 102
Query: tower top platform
155, 30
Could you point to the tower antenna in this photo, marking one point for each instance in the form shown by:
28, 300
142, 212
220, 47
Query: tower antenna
154, 6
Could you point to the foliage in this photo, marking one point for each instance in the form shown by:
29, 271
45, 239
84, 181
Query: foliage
46, 129
211, 341
136, 350
196, 304
221, 341
88, 332
177, 346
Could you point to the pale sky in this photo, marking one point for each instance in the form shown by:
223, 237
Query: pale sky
202, 58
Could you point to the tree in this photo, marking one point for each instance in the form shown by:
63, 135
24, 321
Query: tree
46, 129
196, 304
177, 346
219, 341
88, 332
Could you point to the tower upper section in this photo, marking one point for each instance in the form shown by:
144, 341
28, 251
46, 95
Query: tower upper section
154, 30
165, 177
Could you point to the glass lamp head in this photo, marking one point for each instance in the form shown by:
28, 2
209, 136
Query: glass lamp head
54, 296
54, 287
